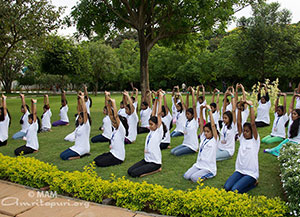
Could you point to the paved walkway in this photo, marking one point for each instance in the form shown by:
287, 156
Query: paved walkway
20, 201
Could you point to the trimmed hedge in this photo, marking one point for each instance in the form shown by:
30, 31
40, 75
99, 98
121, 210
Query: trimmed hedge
203, 201
290, 175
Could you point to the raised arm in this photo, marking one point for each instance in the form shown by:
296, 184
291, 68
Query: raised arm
86, 94
83, 107
4, 105
267, 93
239, 117
165, 103
212, 122
291, 108
284, 102
160, 96
194, 103
198, 92
236, 95
187, 101
233, 103
203, 92
217, 101
224, 101
155, 105
63, 96
23, 102
148, 98
129, 101
213, 95
136, 94
201, 119
252, 118
33, 109
276, 102
46, 100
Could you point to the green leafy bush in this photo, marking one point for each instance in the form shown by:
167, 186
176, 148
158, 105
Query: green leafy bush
290, 175
202, 201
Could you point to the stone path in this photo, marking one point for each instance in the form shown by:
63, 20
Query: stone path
20, 201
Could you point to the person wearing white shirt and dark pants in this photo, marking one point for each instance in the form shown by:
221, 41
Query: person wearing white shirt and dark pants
24, 119
263, 109
116, 155
246, 166
46, 116
82, 134
145, 114
32, 143
106, 128
4, 122
190, 141
64, 119
132, 118
205, 166
152, 158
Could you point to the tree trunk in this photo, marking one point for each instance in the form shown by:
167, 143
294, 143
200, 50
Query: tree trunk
144, 70
96, 88
7, 86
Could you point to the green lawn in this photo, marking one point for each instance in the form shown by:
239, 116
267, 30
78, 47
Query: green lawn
173, 168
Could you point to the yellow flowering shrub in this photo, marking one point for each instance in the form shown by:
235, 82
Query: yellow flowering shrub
202, 201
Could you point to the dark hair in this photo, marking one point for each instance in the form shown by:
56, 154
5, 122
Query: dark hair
247, 124
154, 119
181, 107
208, 125
201, 97
64, 105
281, 108
132, 98
26, 107
38, 120
145, 103
89, 118
2, 115
227, 100
294, 130
128, 106
125, 123
122, 102
229, 115
190, 110
213, 105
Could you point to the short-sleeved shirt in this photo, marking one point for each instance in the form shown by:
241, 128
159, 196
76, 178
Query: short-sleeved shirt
152, 146
145, 116
25, 124
167, 121
207, 154
247, 159
82, 139
180, 122
278, 128
227, 139
228, 108
122, 112
107, 128
132, 123
64, 113
31, 136
296, 138
87, 104
190, 135
263, 112
117, 142
46, 120
4, 128
198, 109
216, 116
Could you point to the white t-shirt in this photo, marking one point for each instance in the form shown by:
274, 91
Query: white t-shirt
122, 112
207, 154
117, 142
227, 139
107, 129
297, 102
87, 105
135, 104
25, 124
145, 116
245, 115
263, 112
174, 109
82, 139
180, 122
4, 128
228, 108
247, 159
216, 116
167, 121
46, 120
278, 128
132, 123
198, 109
152, 145
190, 135
297, 138
64, 113
31, 136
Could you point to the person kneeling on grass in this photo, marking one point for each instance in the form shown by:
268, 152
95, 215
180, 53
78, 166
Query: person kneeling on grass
82, 134
63, 113
46, 116
32, 143
116, 155
24, 119
246, 166
152, 160
4, 122
205, 166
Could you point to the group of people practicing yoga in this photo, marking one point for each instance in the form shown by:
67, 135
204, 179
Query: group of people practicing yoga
220, 128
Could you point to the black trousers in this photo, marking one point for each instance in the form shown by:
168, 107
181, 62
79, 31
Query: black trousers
142, 167
24, 149
141, 130
164, 145
3, 143
106, 160
261, 124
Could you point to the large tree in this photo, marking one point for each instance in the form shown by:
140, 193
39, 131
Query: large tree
23, 23
153, 20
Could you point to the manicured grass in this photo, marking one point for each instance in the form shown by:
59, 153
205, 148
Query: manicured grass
52, 144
